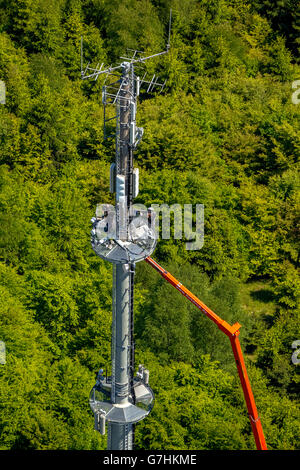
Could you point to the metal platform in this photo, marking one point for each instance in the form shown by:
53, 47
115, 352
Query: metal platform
125, 413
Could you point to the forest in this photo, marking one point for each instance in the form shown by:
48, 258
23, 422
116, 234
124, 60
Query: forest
223, 133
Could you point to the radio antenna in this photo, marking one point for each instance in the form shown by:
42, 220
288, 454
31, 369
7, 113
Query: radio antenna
81, 56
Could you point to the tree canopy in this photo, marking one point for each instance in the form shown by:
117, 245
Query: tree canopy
224, 133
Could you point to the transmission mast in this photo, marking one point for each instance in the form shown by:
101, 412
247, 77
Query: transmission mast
123, 235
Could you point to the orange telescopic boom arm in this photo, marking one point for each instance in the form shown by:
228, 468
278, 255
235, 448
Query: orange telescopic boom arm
232, 332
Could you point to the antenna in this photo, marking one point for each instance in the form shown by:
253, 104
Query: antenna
132, 60
123, 236
169, 37
81, 56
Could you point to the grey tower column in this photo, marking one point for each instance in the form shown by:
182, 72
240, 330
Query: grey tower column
120, 436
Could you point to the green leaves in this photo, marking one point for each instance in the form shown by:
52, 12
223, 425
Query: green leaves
224, 134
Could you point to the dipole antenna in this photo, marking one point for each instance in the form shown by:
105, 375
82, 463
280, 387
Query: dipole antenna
123, 235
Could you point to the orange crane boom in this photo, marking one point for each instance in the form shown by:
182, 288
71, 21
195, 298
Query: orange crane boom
232, 332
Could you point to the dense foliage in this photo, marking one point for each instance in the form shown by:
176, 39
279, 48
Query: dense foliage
225, 133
